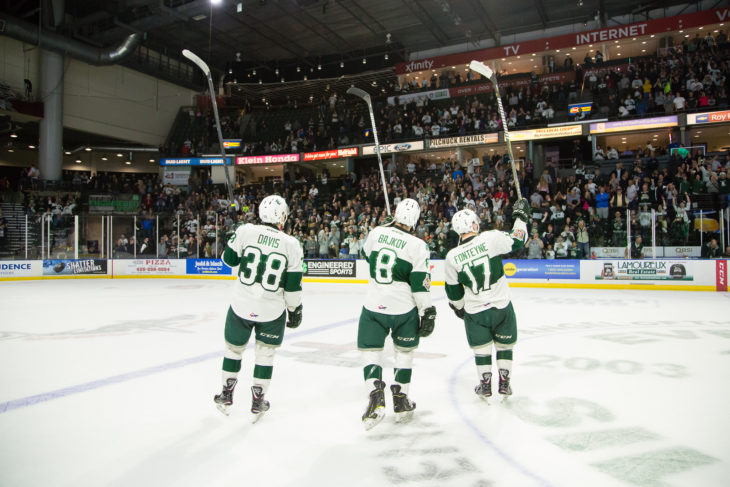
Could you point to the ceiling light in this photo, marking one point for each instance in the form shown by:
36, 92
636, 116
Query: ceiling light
152, 160
386, 56
643, 50
68, 152
298, 69
261, 82
616, 42
643, 42
557, 50
87, 148
364, 61
574, 48
11, 150
128, 163
230, 71
276, 71
282, 80
103, 158
119, 155
319, 67
681, 31
13, 135
31, 146
652, 36
216, 2
305, 77
78, 161
253, 72
700, 28
342, 64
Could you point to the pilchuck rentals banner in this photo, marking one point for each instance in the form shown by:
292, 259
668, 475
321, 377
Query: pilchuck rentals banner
658, 26
463, 140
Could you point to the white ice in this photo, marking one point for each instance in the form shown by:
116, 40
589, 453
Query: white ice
111, 382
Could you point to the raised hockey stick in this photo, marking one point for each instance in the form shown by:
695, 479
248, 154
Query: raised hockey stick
484, 70
206, 70
365, 96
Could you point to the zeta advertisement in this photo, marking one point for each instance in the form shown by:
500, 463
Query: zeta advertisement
70, 267
645, 270
329, 268
542, 269
207, 267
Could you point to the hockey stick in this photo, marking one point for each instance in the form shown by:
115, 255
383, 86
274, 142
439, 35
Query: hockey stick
365, 96
206, 70
484, 70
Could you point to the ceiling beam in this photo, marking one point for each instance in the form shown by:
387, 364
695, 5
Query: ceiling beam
334, 39
427, 21
481, 13
541, 12
371, 21
277, 40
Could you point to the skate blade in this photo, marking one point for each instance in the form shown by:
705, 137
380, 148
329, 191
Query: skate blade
505, 397
223, 408
255, 417
403, 417
485, 399
369, 423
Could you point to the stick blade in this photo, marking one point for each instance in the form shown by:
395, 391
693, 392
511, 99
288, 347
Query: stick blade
481, 68
195, 59
358, 92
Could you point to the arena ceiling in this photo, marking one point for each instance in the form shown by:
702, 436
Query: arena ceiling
307, 33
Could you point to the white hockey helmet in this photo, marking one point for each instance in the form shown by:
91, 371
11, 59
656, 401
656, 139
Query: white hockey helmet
273, 209
463, 222
407, 212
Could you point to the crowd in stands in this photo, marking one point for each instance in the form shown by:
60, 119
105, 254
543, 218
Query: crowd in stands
690, 76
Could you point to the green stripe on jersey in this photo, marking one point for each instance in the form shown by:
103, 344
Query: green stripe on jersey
454, 292
293, 282
420, 282
231, 258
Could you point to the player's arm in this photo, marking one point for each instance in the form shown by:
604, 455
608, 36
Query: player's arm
504, 243
454, 289
293, 284
232, 253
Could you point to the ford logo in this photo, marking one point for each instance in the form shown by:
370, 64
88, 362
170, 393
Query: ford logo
400, 147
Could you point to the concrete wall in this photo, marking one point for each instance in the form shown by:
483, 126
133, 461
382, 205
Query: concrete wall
109, 100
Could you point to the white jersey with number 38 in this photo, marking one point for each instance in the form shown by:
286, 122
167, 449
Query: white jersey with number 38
268, 265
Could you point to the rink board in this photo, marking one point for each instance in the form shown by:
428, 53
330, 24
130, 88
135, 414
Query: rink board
648, 274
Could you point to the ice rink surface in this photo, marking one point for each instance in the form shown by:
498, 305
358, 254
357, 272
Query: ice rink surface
111, 382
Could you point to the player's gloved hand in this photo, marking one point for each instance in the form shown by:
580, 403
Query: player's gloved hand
295, 317
458, 312
388, 221
521, 210
428, 321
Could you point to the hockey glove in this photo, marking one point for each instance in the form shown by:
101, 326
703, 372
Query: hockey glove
295, 317
428, 321
521, 210
459, 312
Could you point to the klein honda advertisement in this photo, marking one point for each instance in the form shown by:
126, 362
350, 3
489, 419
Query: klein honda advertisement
69, 267
330, 268
369, 150
330, 154
270, 159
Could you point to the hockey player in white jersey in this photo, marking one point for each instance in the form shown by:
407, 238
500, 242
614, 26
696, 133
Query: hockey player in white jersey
268, 263
399, 303
478, 292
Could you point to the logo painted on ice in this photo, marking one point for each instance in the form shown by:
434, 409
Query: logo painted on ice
381, 307
253, 315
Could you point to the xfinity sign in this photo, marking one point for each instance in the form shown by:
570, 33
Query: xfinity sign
414, 66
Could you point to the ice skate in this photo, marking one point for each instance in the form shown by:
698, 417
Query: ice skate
484, 389
376, 406
224, 400
504, 387
258, 404
402, 405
